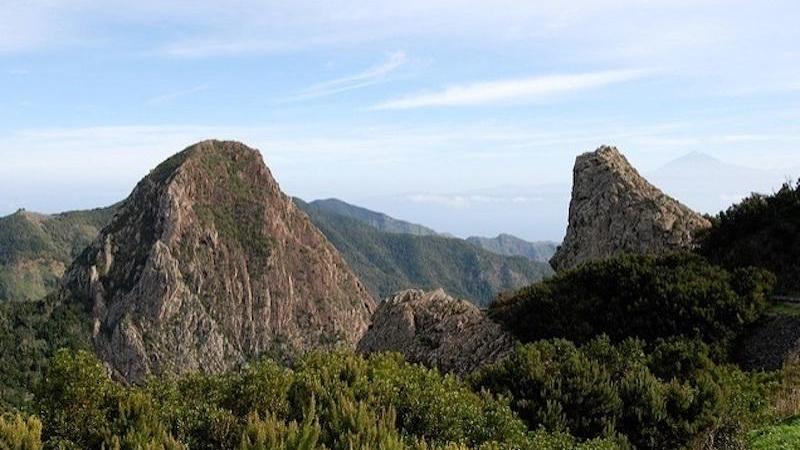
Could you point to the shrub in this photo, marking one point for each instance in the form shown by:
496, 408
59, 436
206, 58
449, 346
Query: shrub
76, 399
761, 231
645, 297
334, 400
20, 433
603, 390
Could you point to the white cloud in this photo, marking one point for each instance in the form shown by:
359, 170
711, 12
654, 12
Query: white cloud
368, 77
513, 91
468, 200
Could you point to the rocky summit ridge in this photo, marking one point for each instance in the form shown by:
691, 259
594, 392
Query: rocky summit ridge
208, 264
437, 330
614, 209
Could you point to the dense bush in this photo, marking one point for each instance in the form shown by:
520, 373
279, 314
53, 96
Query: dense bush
645, 297
30, 333
649, 401
336, 401
761, 231
20, 433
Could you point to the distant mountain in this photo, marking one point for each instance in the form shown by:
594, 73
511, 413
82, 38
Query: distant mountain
708, 185
389, 262
36, 249
504, 244
377, 220
508, 245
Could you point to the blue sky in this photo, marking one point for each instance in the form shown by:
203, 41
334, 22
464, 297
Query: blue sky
400, 106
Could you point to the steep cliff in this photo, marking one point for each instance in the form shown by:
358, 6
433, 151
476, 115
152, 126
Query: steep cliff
208, 264
614, 209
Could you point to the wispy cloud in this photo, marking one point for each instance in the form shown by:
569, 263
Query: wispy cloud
373, 75
516, 90
464, 200
166, 98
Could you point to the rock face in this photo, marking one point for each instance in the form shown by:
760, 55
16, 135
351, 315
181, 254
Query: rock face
208, 264
436, 330
614, 210
772, 342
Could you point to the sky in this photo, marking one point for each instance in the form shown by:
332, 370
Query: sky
425, 109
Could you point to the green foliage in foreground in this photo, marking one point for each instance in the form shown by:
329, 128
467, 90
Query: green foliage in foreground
784, 436
761, 231
671, 398
336, 401
20, 433
645, 297
550, 395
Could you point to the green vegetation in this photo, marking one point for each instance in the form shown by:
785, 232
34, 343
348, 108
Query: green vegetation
36, 249
324, 401
234, 205
669, 398
506, 244
642, 297
784, 436
389, 262
546, 395
30, 333
761, 231
20, 433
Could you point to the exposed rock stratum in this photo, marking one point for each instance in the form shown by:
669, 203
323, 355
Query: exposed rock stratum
437, 330
208, 264
614, 210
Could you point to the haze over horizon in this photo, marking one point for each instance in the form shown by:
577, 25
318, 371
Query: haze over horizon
402, 108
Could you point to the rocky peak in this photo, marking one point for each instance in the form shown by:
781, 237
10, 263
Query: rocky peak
208, 264
614, 209
437, 330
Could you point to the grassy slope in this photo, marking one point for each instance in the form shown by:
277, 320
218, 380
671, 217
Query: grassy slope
387, 262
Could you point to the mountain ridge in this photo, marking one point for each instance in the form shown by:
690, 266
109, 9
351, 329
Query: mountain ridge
391, 262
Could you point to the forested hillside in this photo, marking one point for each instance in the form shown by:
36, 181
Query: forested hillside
35, 249
389, 262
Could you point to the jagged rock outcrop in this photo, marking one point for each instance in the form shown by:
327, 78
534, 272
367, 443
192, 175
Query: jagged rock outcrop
437, 330
614, 210
208, 264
